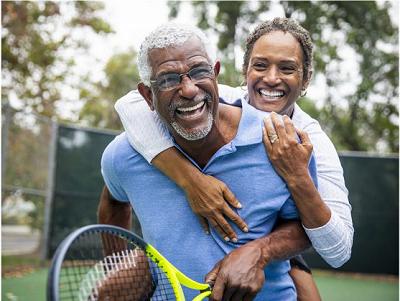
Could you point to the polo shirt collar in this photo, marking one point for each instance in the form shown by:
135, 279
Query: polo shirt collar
250, 125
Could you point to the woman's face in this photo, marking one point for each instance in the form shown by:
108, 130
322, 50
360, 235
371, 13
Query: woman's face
275, 73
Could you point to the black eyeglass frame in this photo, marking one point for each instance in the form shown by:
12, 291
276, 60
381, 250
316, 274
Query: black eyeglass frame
211, 75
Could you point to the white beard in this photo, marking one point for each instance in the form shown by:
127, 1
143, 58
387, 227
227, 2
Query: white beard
197, 134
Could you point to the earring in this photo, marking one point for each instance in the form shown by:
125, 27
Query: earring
303, 93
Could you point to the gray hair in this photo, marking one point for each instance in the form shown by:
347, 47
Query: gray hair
169, 34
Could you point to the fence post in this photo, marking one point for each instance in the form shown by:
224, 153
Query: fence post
50, 190
4, 141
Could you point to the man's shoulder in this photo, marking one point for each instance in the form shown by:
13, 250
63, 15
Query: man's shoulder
119, 150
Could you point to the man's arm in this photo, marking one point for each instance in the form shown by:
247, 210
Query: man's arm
240, 274
113, 212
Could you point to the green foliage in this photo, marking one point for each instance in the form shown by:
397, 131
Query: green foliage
121, 77
35, 38
367, 119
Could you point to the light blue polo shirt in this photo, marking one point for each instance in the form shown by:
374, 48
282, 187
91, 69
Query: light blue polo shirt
168, 222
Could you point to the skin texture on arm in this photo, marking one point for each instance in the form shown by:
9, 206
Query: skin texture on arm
237, 279
290, 159
113, 212
208, 197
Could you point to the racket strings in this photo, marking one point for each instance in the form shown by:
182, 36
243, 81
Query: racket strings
102, 266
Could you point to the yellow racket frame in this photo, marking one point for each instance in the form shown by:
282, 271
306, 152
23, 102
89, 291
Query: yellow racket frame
176, 277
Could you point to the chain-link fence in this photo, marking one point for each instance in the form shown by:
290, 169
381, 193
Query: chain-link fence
26, 138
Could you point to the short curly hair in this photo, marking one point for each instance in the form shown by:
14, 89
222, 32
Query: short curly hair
285, 25
166, 35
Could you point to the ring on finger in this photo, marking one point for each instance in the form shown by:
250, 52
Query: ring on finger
273, 138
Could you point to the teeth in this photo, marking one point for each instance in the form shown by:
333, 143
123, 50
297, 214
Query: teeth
271, 93
188, 109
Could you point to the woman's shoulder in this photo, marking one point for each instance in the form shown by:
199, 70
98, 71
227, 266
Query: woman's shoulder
304, 121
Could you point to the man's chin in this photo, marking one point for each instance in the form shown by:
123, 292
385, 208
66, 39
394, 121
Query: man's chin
190, 134
193, 133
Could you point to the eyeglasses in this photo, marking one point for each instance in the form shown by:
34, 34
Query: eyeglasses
170, 81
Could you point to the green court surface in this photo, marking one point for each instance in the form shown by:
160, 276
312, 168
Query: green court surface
333, 287
349, 287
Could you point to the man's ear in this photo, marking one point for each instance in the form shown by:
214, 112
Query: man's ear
217, 68
145, 91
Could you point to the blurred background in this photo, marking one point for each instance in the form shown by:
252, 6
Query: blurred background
64, 64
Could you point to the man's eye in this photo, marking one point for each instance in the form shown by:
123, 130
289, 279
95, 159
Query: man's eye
167, 80
200, 72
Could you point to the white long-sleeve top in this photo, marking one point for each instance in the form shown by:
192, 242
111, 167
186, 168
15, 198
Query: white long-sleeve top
332, 241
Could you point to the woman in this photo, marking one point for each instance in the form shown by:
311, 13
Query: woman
277, 67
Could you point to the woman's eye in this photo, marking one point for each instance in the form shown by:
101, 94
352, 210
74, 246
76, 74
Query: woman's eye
259, 66
288, 69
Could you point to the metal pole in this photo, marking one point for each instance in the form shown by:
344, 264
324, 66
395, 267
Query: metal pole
4, 141
49, 190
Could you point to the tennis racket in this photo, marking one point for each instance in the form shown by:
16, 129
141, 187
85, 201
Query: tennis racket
108, 263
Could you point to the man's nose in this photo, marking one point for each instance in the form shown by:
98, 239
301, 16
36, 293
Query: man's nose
272, 76
188, 89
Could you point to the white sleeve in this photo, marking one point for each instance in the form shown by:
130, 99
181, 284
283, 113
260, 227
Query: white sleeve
334, 240
230, 95
145, 131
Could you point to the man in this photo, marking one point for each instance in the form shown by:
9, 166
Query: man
179, 84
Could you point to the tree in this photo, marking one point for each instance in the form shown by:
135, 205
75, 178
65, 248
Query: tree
121, 77
366, 120
35, 39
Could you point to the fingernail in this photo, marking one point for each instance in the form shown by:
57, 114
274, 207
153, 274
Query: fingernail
239, 205
245, 229
234, 239
226, 238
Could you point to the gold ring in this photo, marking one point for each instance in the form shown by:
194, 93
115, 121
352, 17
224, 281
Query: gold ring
273, 138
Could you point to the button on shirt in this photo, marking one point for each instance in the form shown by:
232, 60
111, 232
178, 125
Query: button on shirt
168, 222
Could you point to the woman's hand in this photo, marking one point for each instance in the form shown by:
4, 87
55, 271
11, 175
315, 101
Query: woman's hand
210, 198
289, 157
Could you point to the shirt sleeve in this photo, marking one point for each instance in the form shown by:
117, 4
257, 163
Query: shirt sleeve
231, 96
334, 240
145, 131
109, 174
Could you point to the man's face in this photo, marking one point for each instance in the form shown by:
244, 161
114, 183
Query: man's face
275, 73
189, 107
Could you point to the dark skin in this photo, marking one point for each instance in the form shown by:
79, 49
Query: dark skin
233, 278
276, 64
285, 241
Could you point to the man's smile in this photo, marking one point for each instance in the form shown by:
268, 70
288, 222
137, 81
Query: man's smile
191, 112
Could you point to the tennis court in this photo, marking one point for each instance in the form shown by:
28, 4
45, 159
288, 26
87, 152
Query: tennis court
333, 287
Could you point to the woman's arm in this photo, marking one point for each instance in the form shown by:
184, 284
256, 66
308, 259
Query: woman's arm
207, 196
329, 233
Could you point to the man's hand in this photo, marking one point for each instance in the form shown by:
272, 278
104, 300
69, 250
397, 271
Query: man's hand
210, 198
240, 275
